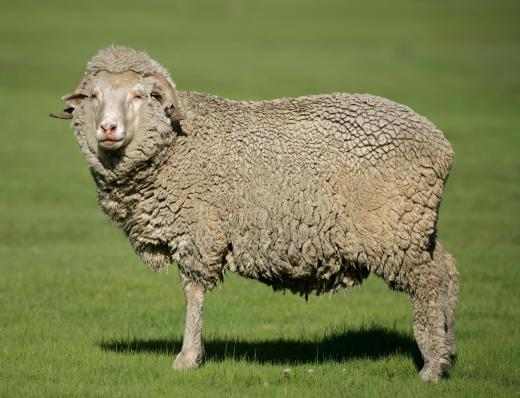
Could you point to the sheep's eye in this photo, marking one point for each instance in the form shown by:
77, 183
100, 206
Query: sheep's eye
137, 96
156, 96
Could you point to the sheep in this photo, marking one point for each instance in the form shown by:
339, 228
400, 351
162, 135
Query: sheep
309, 194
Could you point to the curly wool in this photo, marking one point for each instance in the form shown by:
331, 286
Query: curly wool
119, 59
310, 194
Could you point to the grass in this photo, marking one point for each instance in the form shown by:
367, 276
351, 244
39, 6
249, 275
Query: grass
81, 316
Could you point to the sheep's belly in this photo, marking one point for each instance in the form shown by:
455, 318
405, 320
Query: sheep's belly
301, 278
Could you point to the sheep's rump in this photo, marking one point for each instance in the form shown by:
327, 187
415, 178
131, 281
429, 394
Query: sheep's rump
326, 189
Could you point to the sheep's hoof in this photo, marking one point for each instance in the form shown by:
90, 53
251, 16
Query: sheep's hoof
188, 360
427, 374
432, 372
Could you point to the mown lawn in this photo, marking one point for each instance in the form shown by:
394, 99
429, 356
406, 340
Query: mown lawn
81, 316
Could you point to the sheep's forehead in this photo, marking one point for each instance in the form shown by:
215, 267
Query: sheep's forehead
117, 81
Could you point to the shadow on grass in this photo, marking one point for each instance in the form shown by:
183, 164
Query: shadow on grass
372, 343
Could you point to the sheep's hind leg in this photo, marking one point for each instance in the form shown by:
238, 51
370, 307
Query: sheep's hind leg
440, 255
429, 296
192, 353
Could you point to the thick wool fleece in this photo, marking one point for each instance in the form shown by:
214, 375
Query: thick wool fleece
118, 59
309, 194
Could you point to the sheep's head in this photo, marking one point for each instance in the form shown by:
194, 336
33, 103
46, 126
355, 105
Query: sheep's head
119, 102
124, 110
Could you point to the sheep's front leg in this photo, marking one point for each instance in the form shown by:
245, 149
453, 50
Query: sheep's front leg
192, 352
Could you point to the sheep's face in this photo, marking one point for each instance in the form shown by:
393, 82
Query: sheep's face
118, 102
122, 111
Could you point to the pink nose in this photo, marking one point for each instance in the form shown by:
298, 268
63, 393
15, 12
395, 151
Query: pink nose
108, 128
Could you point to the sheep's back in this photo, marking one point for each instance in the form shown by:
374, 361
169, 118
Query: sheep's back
327, 188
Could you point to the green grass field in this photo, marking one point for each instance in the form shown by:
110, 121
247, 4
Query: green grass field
81, 316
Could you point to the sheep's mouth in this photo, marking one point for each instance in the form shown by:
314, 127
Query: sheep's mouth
111, 145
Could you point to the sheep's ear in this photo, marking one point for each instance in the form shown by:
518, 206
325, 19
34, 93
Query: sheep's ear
164, 92
72, 100
174, 113
66, 114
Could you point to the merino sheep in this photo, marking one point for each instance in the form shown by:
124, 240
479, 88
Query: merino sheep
310, 194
